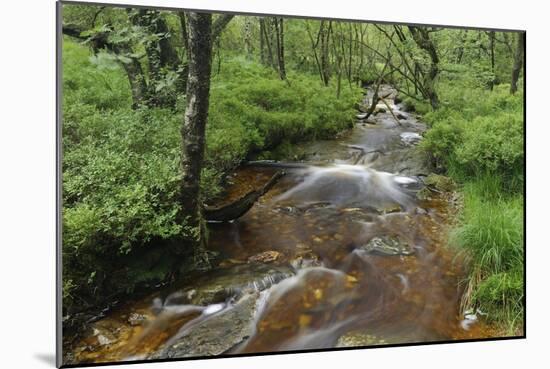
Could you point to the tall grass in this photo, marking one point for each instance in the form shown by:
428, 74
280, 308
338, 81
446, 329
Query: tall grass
491, 236
476, 137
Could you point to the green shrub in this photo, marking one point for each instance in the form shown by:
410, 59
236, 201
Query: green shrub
477, 132
441, 140
95, 80
121, 166
493, 144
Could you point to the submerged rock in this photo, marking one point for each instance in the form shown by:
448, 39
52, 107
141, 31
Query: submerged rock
439, 182
230, 282
358, 339
408, 161
424, 194
410, 138
136, 319
387, 245
216, 334
265, 257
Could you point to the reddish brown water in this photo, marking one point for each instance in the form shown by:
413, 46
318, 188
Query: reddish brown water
319, 221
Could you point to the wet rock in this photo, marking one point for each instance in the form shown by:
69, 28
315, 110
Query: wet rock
103, 336
307, 260
265, 257
358, 339
424, 194
222, 284
390, 209
136, 319
387, 246
439, 182
409, 161
420, 211
410, 138
401, 116
230, 262
217, 334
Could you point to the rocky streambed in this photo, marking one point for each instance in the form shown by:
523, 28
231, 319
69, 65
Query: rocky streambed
347, 249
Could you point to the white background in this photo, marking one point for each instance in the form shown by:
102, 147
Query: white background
27, 181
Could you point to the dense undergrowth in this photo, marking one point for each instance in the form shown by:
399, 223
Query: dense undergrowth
120, 165
477, 138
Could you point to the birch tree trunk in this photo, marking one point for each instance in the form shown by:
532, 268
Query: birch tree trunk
193, 132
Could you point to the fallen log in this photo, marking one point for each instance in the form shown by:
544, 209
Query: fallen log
276, 164
239, 207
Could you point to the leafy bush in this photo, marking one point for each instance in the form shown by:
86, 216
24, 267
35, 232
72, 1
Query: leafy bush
121, 166
477, 137
441, 140
479, 132
95, 80
493, 144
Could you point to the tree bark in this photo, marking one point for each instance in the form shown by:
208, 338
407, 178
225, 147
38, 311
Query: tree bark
130, 64
267, 41
161, 56
239, 207
314, 45
219, 24
262, 42
493, 80
422, 38
325, 40
518, 62
193, 131
279, 30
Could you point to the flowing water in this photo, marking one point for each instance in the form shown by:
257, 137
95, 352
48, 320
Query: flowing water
339, 253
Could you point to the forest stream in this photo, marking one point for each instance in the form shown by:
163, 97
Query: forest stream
341, 252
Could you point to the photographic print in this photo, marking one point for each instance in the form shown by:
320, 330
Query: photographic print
242, 184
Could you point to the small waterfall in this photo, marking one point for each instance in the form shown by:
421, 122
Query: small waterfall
347, 185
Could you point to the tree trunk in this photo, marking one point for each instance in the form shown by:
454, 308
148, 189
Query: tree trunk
132, 66
325, 62
460, 51
314, 45
350, 53
138, 85
493, 80
267, 40
247, 35
422, 38
262, 42
193, 131
518, 62
161, 56
279, 31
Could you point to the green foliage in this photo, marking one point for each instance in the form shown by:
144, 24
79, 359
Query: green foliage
96, 80
494, 231
121, 166
477, 138
491, 235
252, 110
493, 144
479, 132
